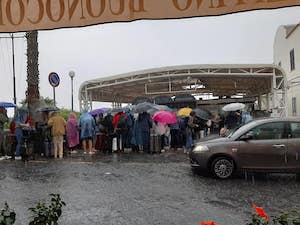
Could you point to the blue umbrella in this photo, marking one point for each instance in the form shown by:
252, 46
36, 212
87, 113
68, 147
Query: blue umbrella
7, 105
98, 111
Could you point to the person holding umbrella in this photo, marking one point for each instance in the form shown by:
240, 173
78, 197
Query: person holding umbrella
120, 125
109, 131
145, 123
189, 132
234, 117
19, 121
176, 140
233, 120
3, 120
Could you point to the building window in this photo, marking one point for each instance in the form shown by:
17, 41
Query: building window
294, 106
292, 59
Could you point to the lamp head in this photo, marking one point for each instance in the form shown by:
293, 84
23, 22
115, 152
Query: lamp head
72, 74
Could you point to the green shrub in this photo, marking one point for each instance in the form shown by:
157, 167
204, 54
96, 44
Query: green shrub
288, 218
44, 214
7, 216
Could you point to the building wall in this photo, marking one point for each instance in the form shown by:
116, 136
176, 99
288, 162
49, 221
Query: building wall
282, 47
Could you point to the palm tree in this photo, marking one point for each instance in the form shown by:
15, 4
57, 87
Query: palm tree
32, 93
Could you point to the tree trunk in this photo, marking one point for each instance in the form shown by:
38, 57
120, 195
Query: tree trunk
32, 93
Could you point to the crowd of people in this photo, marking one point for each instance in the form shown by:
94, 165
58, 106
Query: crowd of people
110, 133
128, 130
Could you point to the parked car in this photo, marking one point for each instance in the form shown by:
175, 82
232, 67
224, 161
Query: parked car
263, 145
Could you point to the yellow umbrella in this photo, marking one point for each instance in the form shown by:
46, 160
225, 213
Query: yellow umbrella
185, 112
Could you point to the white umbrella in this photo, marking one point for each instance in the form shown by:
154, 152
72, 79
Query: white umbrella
233, 107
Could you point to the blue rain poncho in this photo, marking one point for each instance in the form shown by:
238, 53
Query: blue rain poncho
86, 125
136, 138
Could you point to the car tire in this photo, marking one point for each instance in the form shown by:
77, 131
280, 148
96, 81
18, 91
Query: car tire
222, 167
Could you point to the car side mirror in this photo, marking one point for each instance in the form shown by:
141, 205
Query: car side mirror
248, 136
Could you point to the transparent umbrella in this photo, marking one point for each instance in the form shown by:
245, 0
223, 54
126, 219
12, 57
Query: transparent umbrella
233, 107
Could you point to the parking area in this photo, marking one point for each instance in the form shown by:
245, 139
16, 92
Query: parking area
140, 189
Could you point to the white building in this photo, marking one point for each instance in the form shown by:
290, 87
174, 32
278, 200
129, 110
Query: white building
287, 55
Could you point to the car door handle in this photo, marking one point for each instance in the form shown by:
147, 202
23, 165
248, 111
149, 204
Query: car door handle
279, 146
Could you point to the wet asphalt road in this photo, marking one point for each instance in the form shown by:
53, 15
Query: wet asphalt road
134, 189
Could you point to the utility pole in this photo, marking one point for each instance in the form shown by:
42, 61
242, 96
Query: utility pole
14, 70
12, 37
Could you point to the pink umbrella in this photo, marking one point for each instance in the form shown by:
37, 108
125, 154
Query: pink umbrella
163, 116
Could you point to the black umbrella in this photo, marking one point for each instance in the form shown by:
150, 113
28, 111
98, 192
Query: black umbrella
143, 107
140, 99
47, 109
184, 98
203, 114
162, 100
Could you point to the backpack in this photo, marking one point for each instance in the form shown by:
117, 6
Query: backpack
122, 122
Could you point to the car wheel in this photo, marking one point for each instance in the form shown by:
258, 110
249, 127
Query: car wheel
222, 167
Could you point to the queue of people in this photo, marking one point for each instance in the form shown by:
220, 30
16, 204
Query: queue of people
114, 133
125, 130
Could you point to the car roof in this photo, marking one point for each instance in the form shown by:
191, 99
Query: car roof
278, 119
260, 121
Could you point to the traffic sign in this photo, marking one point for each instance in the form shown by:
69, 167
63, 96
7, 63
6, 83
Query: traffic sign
53, 79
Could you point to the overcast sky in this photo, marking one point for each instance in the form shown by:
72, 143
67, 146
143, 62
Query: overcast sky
104, 50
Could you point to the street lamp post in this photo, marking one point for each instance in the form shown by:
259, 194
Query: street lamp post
14, 71
72, 75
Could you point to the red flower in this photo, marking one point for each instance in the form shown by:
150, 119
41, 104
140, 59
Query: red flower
208, 223
261, 212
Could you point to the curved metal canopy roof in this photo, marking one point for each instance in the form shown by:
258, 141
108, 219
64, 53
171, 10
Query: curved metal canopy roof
218, 80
